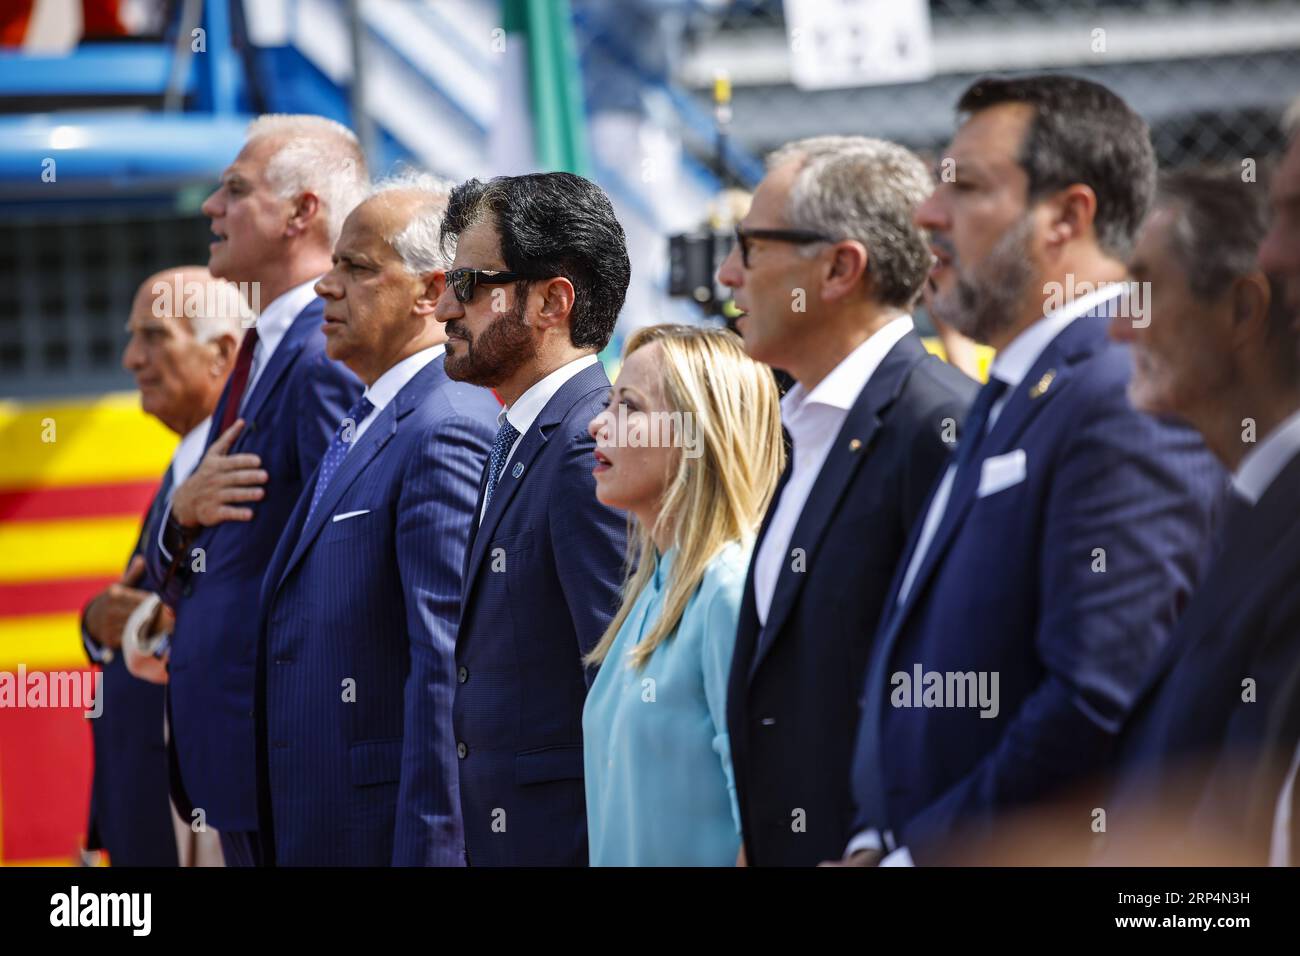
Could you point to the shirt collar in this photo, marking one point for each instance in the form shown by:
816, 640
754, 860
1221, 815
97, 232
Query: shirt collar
275, 319
664, 566
386, 387
841, 388
1013, 363
1263, 463
190, 450
529, 405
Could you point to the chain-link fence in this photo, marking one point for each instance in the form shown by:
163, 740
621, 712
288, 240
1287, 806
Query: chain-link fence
1213, 79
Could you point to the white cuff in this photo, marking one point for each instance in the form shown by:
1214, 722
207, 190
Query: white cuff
872, 840
900, 857
97, 653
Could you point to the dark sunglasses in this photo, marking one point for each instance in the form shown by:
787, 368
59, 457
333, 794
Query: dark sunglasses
800, 237
464, 281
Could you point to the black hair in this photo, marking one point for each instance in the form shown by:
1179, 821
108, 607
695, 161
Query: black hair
553, 224
1081, 132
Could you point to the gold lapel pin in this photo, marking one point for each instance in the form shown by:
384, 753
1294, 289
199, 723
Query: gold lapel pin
855, 444
1044, 383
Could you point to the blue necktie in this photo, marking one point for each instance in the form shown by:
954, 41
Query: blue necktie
501, 446
976, 424
338, 449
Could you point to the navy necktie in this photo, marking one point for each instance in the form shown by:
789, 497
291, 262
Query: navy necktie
501, 446
976, 424
338, 449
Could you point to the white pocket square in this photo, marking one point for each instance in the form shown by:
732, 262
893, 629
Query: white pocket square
350, 514
1001, 472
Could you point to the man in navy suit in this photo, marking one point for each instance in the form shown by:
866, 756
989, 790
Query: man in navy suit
1062, 543
540, 273
274, 220
1277, 786
362, 596
1222, 352
868, 419
180, 362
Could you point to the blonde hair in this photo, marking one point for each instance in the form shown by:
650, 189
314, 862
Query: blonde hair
718, 497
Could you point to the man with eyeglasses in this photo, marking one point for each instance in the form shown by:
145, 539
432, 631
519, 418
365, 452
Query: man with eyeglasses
539, 275
826, 269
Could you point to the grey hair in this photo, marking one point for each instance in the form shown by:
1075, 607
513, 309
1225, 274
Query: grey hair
210, 307
417, 242
318, 156
222, 312
1218, 224
855, 187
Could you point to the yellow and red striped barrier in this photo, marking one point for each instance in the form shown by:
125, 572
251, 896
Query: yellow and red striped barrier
75, 480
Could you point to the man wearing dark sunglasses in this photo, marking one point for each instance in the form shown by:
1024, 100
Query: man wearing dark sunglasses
536, 285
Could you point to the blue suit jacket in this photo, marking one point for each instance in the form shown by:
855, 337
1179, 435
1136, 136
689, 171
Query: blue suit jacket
130, 816
1013, 585
1194, 738
290, 418
542, 581
792, 701
359, 629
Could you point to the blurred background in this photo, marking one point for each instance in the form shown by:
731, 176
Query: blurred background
117, 117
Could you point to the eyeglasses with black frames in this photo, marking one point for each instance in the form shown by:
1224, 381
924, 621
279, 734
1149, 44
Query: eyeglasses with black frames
800, 237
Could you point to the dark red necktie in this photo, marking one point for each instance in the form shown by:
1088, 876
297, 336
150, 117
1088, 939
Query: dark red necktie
238, 380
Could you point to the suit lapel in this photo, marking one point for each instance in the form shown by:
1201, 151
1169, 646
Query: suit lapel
849, 449
1082, 337
519, 467
153, 513
1048, 378
375, 439
473, 530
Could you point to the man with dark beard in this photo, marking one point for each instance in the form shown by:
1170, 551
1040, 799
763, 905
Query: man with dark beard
1064, 538
539, 276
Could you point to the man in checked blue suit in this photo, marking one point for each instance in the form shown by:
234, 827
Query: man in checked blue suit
274, 219
1060, 546
361, 599
540, 273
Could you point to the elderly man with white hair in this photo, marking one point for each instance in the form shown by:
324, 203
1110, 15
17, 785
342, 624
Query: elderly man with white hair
275, 216
181, 350
361, 599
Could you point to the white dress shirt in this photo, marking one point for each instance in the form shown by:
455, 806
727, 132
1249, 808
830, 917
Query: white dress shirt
529, 405
189, 452
272, 324
1011, 365
184, 460
813, 419
385, 388
1262, 464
